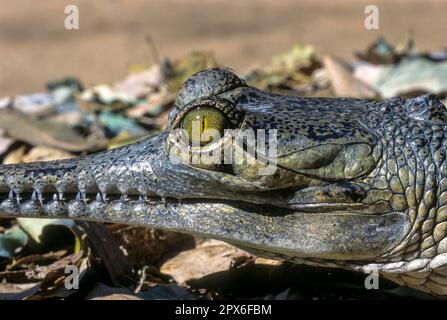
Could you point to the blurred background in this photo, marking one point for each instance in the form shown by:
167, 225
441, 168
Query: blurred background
35, 46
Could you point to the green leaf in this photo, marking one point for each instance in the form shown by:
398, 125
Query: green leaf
11, 240
52, 231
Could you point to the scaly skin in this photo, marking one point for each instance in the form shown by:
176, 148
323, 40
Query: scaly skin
358, 184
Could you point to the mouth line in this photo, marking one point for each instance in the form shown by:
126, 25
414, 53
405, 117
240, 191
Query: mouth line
111, 197
11, 204
69, 196
11, 199
322, 207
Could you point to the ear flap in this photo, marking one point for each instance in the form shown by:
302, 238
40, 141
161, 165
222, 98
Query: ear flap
427, 108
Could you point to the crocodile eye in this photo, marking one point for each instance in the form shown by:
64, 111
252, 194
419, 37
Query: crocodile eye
199, 119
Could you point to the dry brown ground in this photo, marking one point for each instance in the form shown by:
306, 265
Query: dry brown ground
35, 47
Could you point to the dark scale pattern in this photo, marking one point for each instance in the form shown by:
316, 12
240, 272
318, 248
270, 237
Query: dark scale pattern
414, 169
359, 184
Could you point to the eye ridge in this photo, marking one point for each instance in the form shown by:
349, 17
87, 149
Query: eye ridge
233, 114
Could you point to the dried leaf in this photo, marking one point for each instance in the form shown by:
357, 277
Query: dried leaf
268, 262
299, 58
103, 292
9, 291
35, 154
5, 142
159, 292
5, 102
342, 80
379, 52
15, 156
146, 246
53, 277
194, 62
139, 85
368, 73
35, 105
68, 118
116, 124
46, 154
418, 75
154, 106
46, 258
167, 292
37, 273
106, 253
46, 133
290, 71
210, 257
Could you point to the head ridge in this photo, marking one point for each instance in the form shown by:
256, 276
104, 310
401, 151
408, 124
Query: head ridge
207, 83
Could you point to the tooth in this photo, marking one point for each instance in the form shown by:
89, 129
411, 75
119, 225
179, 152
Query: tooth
55, 207
18, 198
142, 198
31, 208
139, 210
11, 195
96, 208
81, 196
77, 208
37, 196
124, 197
61, 196
9, 207
117, 208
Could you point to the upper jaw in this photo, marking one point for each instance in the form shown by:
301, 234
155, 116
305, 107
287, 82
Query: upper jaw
213, 209
136, 171
144, 169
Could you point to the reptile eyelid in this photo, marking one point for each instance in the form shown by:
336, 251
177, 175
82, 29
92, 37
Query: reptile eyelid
231, 111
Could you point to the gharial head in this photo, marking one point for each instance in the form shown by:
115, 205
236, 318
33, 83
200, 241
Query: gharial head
330, 181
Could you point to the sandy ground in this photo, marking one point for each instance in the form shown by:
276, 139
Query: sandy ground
35, 46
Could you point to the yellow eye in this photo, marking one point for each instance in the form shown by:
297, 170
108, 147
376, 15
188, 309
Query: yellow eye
200, 119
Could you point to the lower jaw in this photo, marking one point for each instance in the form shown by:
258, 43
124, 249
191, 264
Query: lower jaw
67, 205
110, 207
97, 205
335, 235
